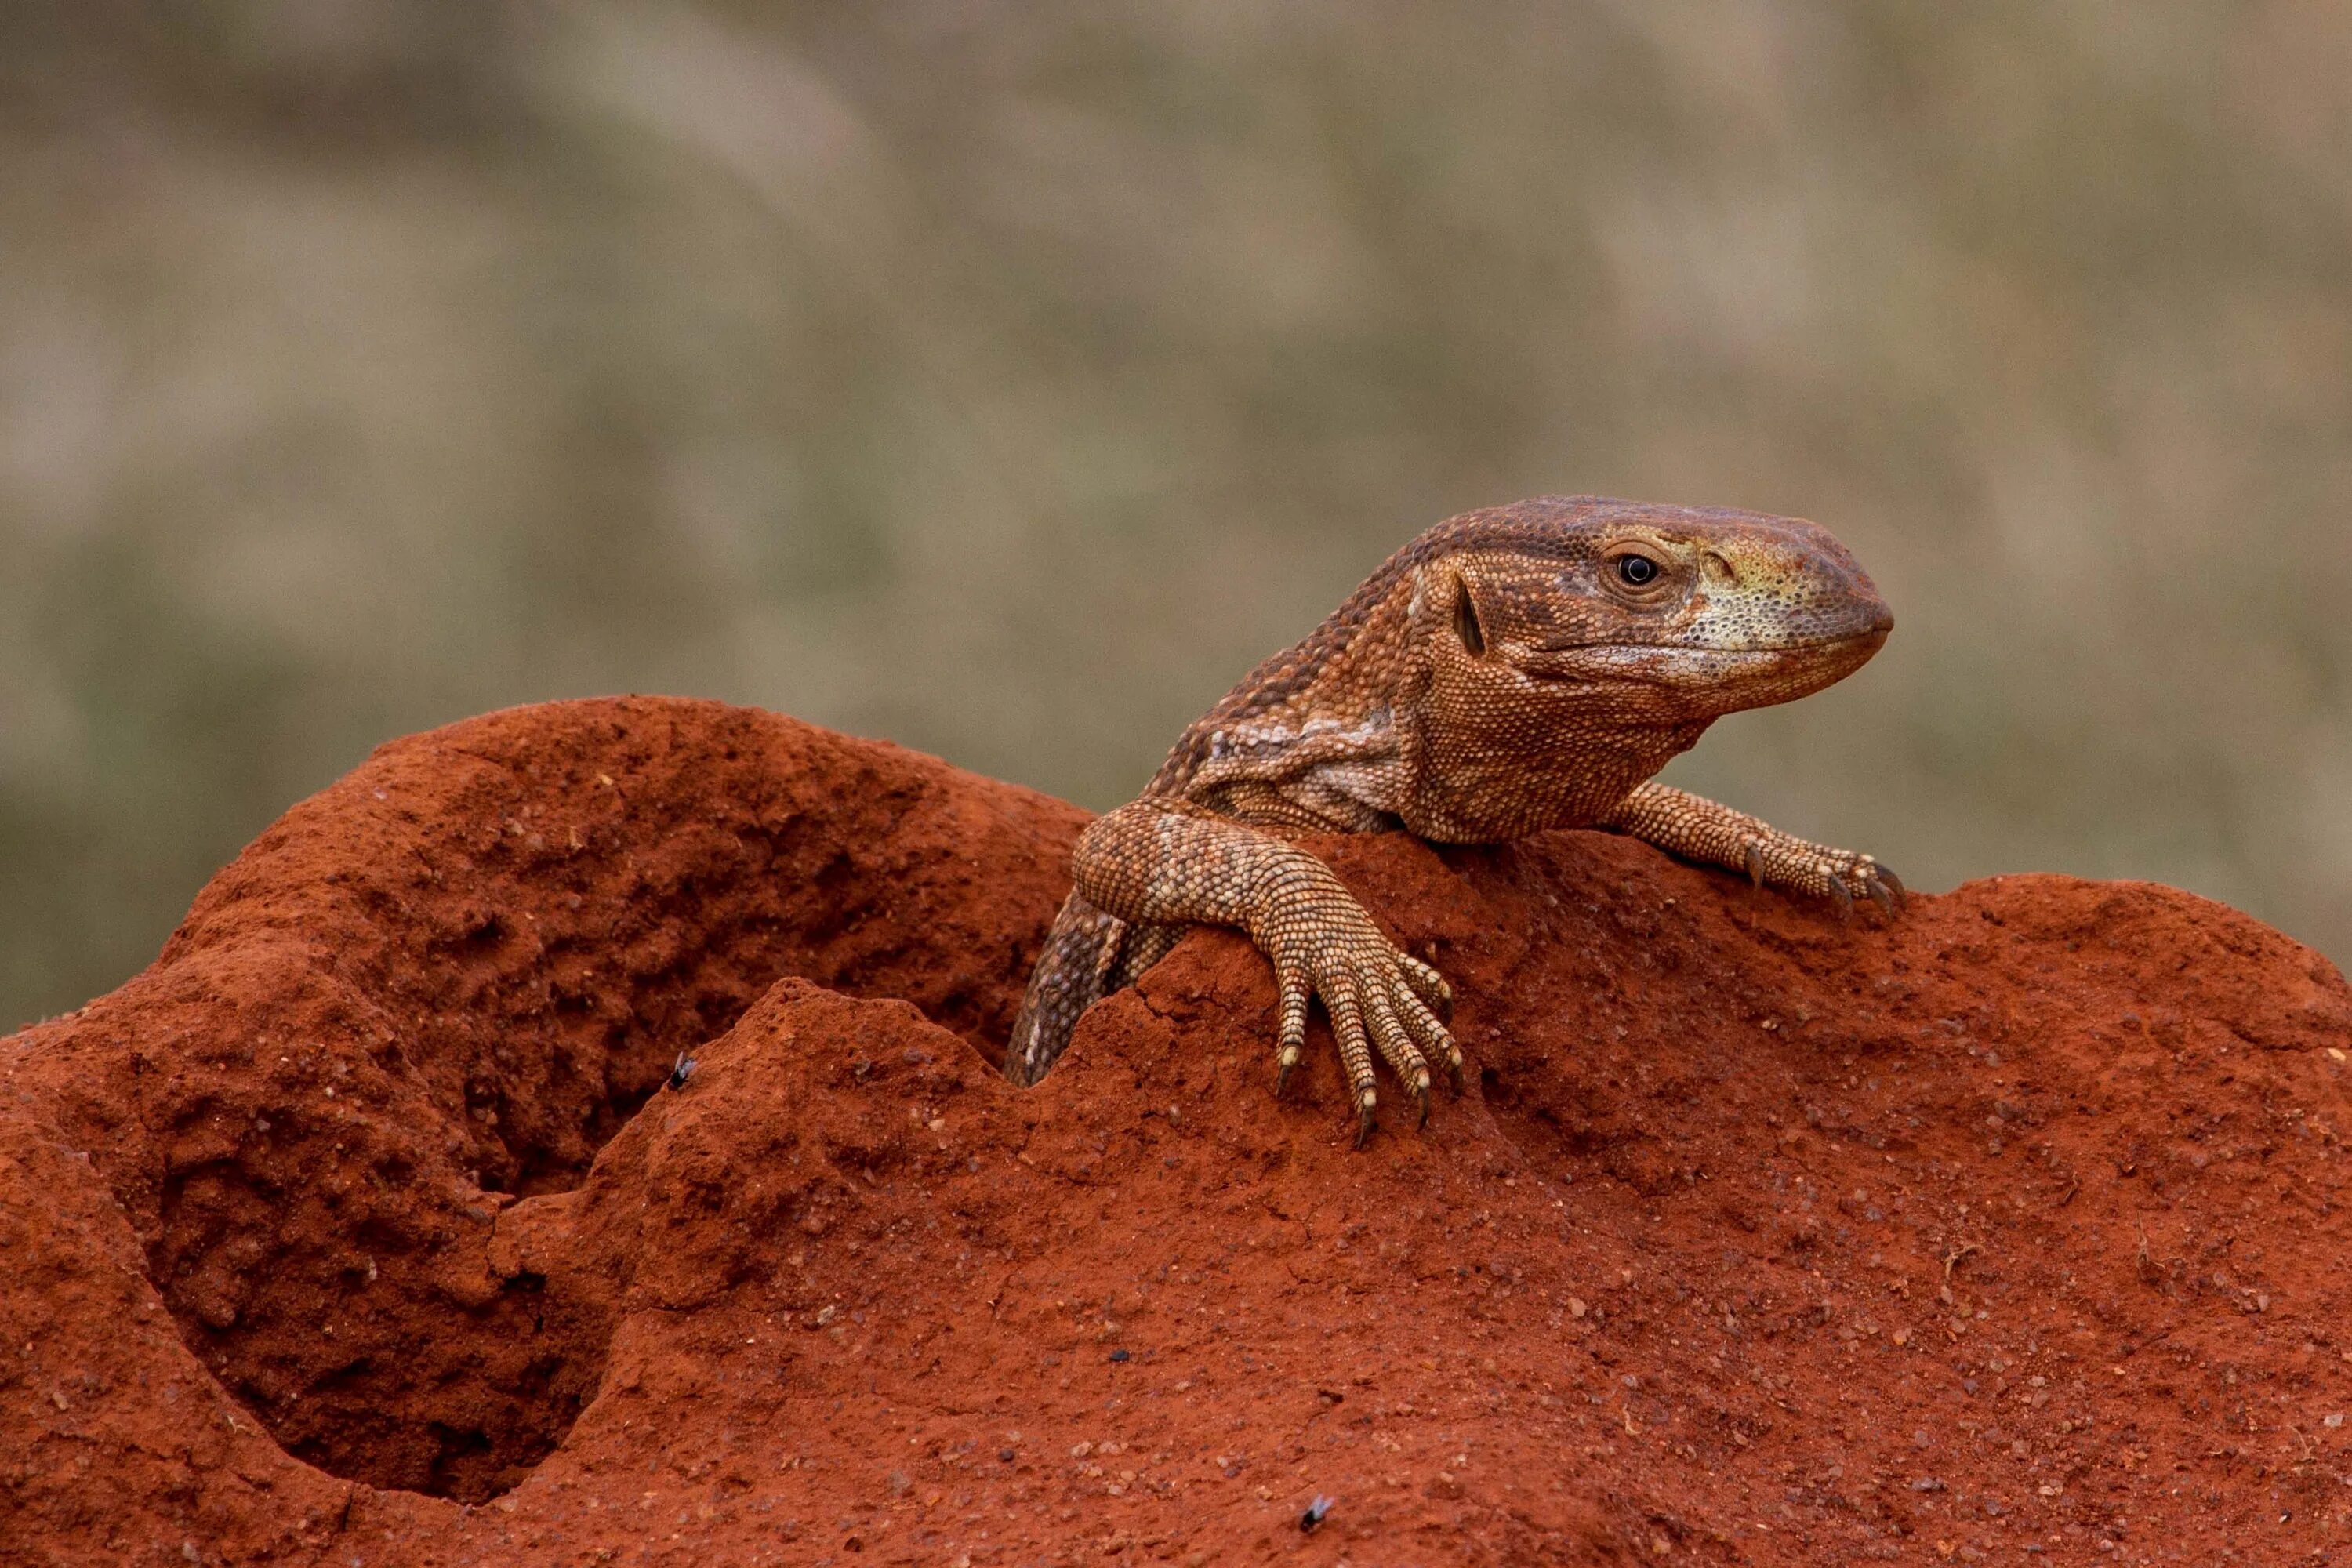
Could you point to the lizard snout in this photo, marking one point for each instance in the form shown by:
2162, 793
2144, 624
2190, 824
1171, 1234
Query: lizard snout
1797, 591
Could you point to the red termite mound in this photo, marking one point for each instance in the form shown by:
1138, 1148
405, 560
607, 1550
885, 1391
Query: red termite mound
368, 1227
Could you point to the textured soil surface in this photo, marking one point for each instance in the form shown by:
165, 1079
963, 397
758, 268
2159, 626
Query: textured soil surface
363, 1229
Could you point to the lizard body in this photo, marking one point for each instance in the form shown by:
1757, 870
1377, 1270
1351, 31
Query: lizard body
1511, 671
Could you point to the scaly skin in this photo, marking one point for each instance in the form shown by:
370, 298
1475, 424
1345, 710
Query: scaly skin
1511, 670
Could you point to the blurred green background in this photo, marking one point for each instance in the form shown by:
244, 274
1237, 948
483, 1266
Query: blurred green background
1006, 378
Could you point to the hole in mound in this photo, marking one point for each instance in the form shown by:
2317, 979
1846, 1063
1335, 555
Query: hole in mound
509, 981
340, 1273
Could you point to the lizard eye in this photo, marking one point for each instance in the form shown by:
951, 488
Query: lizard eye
1637, 570
1465, 620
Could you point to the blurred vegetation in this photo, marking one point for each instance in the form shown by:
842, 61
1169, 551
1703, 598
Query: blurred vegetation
1006, 378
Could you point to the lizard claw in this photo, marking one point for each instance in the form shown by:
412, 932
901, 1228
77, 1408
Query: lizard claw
1839, 893
1365, 1121
1867, 878
1887, 894
1840, 876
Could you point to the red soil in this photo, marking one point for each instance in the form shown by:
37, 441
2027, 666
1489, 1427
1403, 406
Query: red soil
361, 1230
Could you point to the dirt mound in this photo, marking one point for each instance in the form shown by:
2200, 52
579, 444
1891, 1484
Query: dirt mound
363, 1228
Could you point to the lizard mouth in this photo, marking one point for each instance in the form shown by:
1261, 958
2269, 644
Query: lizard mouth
1680, 664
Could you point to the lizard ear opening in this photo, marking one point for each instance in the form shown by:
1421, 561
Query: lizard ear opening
1465, 620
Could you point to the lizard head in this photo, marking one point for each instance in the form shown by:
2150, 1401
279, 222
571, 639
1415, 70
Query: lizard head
1637, 616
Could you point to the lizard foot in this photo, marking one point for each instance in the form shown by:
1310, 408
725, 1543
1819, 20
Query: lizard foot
1379, 1001
1777, 859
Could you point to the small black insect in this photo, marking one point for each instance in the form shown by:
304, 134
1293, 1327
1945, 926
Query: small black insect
682, 1071
1118, 1355
1315, 1512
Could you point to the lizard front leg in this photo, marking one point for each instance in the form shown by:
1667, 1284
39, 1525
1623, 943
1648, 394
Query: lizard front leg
1158, 862
1696, 828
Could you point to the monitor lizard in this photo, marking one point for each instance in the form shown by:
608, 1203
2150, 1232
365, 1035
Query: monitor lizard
1523, 667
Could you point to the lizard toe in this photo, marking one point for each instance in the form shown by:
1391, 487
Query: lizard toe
1432, 1037
1347, 1029
1427, 985
1395, 1041
1296, 994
